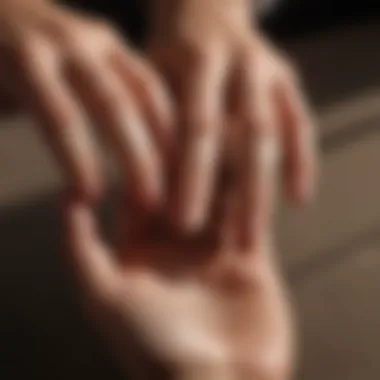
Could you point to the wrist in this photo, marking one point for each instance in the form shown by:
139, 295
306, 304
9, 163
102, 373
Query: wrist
16, 15
169, 16
10, 6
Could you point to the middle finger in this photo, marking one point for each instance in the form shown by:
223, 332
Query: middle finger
116, 110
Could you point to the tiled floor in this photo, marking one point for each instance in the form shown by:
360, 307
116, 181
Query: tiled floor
330, 251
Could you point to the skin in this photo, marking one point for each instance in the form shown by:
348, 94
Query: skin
210, 78
202, 301
172, 306
230, 84
71, 72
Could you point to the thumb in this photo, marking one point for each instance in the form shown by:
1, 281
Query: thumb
91, 259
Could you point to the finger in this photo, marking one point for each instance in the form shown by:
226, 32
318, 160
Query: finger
116, 111
225, 221
258, 160
201, 123
60, 117
152, 94
92, 260
300, 151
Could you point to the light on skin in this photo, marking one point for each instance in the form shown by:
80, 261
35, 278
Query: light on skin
214, 44
200, 54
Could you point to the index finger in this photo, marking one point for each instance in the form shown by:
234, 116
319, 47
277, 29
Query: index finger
202, 119
60, 117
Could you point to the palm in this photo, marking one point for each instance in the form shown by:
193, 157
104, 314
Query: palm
187, 307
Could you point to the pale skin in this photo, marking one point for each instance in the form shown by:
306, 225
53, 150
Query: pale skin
183, 307
210, 92
227, 79
72, 71
207, 73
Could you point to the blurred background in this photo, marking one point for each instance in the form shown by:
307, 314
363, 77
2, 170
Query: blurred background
330, 251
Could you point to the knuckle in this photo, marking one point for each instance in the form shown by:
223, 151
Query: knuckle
106, 30
67, 36
78, 48
89, 39
75, 45
29, 46
33, 52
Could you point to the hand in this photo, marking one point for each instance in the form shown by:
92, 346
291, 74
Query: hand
69, 70
174, 307
232, 86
